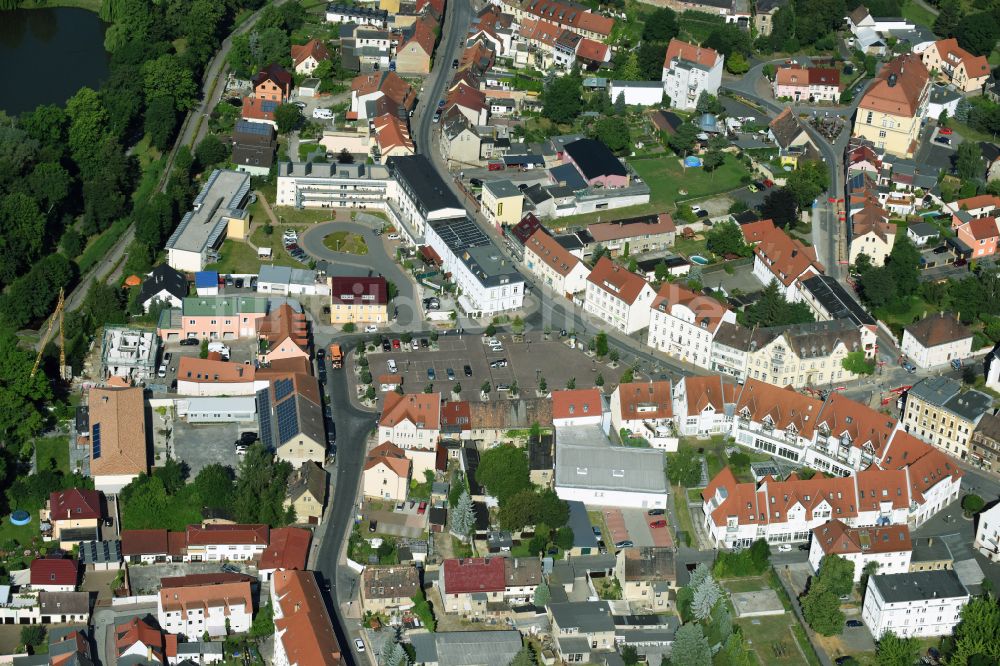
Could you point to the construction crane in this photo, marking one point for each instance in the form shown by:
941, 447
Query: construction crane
58, 314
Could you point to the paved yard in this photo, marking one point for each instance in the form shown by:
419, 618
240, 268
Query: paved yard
741, 279
200, 445
391, 523
527, 361
145, 579
100, 583
617, 529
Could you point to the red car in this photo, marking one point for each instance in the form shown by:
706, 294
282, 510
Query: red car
422, 508
658, 523
768, 183
944, 130
395, 344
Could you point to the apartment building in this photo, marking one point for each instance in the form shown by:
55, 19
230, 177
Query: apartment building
215, 608
809, 84
412, 421
645, 409
775, 420
358, 300
618, 297
303, 630
704, 405
213, 318
949, 62
217, 212
890, 111
417, 195
939, 412
785, 260
984, 450
920, 604
987, 539
688, 71
635, 235
936, 340
888, 546
683, 323
225, 543
386, 589
554, 265
331, 185
802, 355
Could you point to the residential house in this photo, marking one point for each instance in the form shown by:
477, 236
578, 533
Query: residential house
336, 13
254, 145
789, 133
688, 71
981, 236
667, 122
469, 102
332, 185
703, 405
922, 233
392, 137
224, 542
764, 11
273, 84
785, 260
460, 139
54, 574
149, 546
380, 92
412, 421
991, 156
213, 318
936, 340
580, 20
553, 264
574, 407
982, 205
303, 630
582, 630
647, 576
541, 460
921, 604
307, 57
283, 333
775, 420
683, 323
502, 202
387, 473
215, 377
307, 487
646, 410
939, 412
288, 549
163, 285
949, 62
215, 608
618, 297
807, 84
889, 547
469, 585
984, 450
987, 540
890, 111
388, 589
119, 451
358, 300
284, 280
596, 163
74, 516
413, 56
871, 234
490, 423
140, 640
259, 111
635, 235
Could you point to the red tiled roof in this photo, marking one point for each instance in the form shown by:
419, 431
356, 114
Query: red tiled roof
982, 228
616, 280
423, 35
576, 403
786, 257
391, 456
475, 574
456, 414
754, 232
51, 571
593, 51
353, 290
422, 409
207, 535
201, 580
75, 504
678, 50
314, 48
836, 538
304, 628
632, 227
782, 407
275, 73
862, 424
138, 630
144, 542
289, 549
950, 51
899, 95
545, 247
708, 312
645, 400
705, 391
978, 201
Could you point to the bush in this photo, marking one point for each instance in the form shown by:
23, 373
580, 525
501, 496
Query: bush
753, 561
350, 327
972, 504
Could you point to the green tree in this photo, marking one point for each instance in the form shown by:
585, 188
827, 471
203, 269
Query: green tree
895, 651
682, 141
837, 574
780, 206
904, 266
214, 484
821, 609
858, 363
160, 121
463, 520
807, 182
504, 471
976, 634
287, 117
263, 622
168, 76
660, 26
525, 657
684, 467
50, 184
949, 15
601, 344
706, 596
737, 64
978, 32
969, 162
211, 151
863, 263
726, 238
712, 160
773, 309
878, 287
541, 595
972, 504
630, 69
562, 99
691, 647
613, 133
33, 635
630, 656
735, 652
651, 57
261, 483
171, 474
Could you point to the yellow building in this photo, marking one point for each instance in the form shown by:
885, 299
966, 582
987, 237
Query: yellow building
358, 300
953, 64
803, 355
890, 111
502, 202
307, 493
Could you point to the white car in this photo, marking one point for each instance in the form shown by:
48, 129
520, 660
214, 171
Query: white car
322, 114
360, 644
785, 548
371, 328
695, 209
393, 236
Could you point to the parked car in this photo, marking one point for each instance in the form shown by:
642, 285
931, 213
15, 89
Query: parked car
597, 531
624, 544
855, 623
785, 548
656, 524
943, 140
359, 644
947, 131
499, 363
189, 342
393, 236
320, 354
454, 63
702, 213
940, 249
395, 344
451, 374
909, 367
476, 182
655, 512
961, 261
467, 370
371, 328
372, 525
386, 345
422, 508
752, 187
424, 343
431, 375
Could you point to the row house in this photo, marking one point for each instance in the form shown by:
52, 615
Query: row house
197, 607
73, 515
888, 546
987, 540
225, 543
963, 210
782, 259
479, 586
618, 297
984, 449
683, 323
569, 16
493, 28
704, 406
810, 84
303, 630
635, 235
553, 265
871, 234
688, 71
583, 630
645, 409
938, 411
213, 318
412, 421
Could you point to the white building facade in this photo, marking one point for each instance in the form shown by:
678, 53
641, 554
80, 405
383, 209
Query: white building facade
919, 604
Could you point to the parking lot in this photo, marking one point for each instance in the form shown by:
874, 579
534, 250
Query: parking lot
145, 579
633, 525
527, 362
202, 444
241, 351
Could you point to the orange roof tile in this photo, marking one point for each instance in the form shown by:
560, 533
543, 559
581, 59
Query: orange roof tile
575, 403
304, 628
201, 597
422, 409
678, 50
616, 280
391, 456
707, 390
314, 48
603, 232
204, 370
288, 549
862, 424
786, 257
645, 400
555, 256
118, 432
836, 538
754, 232
898, 87
593, 51
208, 535
708, 312
975, 66
982, 228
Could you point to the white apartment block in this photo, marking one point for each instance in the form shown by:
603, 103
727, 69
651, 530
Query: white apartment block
688, 71
316, 185
618, 297
683, 323
417, 195
988, 533
217, 609
704, 406
919, 604
554, 265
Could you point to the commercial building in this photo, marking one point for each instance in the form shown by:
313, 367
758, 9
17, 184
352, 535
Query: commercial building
937, 340
332, 185
213, 318
218, 210
890, 111
940, 413
466, 648
206, 377
287, 281
358, 300
683, 323
925, 603
618, 297
803, 355
502, 202
688, 71
119, 451
488, 283
418, 196
218, 410
887, 546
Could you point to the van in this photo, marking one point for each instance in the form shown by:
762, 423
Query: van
391, 365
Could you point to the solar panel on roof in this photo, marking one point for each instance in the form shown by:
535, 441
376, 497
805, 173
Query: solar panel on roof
264, 418
247, 127
268, 106
282, 388
288, 420
97, 441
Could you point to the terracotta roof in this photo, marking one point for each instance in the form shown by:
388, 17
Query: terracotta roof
786, 257
390, 379
784, 408
754, 232
304, 628
313, 47
390, 84
876, 486
616, 280
836, 538
421, 409
136, 631
207, 535
473, 575
51, 571
202, 597
391, 456
704, 391
593, 51
255, 108
540, 31
289, 549
391, 132
632, 227
400, 581
456, 414
467, 97
144, 542
554, 255
423, 35
708, 312
678, 50
862, 424
898, 87
982, 228
205, 370
576, 403
938, 329
873, 219
645, 400
806, 76
926, 465
975, 66
117, 432
978, 201
346, 290
75, 504
283, 367
283, 323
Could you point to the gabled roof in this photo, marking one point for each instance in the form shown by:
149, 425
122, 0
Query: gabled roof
466, 97
925, 465
473, 575
786, 127
117, 431
616, 280
313, 47
754, 232
555, 256
209, 535
207, 370
276, 73
985, 201
421, 409
309, 478
860, 424
645, 400
75, 504
576, 403
836, 538
423, 35
872, 219
52, 571
588, 49
982, 228
708, 312
786, 257
683, 51
284, 323
950, 51
783, 408
288, 549
898, 87
391, 456
138, 630
304, 628
391, 132
938, 329
594, 159
702, 392
164, 278
632, 227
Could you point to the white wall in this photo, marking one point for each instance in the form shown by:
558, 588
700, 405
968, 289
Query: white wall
618, 498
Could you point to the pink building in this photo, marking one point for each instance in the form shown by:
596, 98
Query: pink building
816, 84
213, 318
596, 163
981, 235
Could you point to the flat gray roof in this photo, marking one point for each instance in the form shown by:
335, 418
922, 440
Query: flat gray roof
586, 459
223, 195
919, 585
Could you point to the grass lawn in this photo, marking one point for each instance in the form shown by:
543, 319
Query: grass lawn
968, 133
279, 256
772, 638
684, 522
53, 448
347, 242
696, 29
898, 320
751, 584
291, 215
689, 247
918, 14
237, 257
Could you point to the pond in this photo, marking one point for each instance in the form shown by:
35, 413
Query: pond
46, 55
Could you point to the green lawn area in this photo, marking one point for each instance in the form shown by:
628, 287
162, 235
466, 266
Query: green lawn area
292, 215
53, 448
684, 523
279, 256
967, 132
689, 247
237, 257
919, 14
345, 241
897, 320
751, 584
772, 638
696, 30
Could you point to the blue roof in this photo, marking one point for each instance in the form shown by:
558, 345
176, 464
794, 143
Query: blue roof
206, 279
